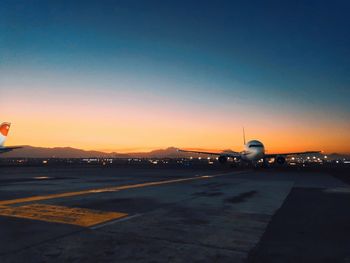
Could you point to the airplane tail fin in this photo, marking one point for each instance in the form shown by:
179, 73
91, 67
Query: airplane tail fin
4, 129
243, 136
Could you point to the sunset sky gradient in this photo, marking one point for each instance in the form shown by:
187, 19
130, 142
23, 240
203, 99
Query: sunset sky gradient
132, 76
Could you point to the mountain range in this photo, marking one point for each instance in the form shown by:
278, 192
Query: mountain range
69, 152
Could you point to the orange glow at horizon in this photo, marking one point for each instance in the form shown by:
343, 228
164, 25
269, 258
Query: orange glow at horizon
133, 133
141, 125
130, 139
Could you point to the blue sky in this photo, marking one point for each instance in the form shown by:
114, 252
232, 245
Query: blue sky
289, 56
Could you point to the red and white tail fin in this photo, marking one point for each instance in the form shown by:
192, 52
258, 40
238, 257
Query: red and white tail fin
4, 129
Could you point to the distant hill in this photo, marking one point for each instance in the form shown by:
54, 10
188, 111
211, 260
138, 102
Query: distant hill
58, 152
68, 152
170, 152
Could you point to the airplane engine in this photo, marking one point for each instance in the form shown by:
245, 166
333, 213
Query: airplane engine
280, 160
222, 159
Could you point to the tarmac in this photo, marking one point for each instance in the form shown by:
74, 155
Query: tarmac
95, 214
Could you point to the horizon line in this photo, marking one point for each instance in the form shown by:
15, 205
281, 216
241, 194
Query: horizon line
156, 149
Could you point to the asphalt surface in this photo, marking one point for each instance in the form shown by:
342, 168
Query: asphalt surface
91, 214
311, 226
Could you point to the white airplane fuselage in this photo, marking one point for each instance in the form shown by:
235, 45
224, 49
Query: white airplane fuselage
253, 151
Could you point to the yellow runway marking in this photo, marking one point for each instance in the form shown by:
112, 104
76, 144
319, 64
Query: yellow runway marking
60, 214
103, 190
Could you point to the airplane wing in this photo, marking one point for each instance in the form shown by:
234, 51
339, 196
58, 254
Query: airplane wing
9, 148
227, 154
272, 155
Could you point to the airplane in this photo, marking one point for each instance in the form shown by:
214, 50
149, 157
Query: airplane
253, 152
4, 129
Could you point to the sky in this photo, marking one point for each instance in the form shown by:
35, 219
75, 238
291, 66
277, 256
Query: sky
141, 75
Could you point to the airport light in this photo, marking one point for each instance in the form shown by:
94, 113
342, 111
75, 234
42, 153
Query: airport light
325, 157
41, 177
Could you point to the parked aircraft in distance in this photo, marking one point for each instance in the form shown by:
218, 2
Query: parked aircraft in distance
4, 129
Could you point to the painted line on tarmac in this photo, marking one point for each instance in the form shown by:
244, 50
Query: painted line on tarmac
107, 189
61, 214
115, 221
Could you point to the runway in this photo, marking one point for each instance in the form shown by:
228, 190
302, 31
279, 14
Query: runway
92, 214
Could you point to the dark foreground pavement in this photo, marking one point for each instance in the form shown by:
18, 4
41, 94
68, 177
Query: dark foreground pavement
193, 215
311, 226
